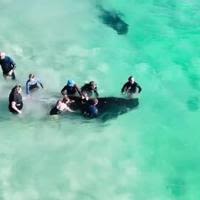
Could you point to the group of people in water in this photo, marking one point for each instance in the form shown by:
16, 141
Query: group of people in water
88, 92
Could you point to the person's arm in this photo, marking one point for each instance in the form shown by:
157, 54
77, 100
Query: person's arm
27, 88
64, 90
123, 88
84, 93
12, 63
13, 104
78, 90
139, 88
39, 82
69, 109
96, 93
82, 88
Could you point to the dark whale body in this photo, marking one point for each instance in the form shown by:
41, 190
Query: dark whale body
113, 20
108, 107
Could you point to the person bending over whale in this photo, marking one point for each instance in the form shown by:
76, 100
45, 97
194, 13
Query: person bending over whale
61, 106
131, 87
8, 66
89, 89
91, 110
15, 100
71, 89
32, 84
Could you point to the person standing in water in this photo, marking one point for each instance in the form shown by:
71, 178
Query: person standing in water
89, 89
71, 89
8, 66
131, 87
15, 100
32, 84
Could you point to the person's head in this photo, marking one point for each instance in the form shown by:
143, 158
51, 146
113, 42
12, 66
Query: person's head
18, 88
2, 55
71, 83
92, 84
31, 76
131, 79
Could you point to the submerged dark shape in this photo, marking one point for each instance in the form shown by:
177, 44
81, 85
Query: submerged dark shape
108, 107
112, 19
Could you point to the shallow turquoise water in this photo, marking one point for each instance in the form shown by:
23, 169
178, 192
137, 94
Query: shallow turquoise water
150, 153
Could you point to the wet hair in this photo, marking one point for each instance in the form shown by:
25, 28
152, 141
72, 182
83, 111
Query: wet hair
130, 77
31, 76
92, 83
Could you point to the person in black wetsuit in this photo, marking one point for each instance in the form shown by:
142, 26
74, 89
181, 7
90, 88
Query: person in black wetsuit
15, 100
8, 66
71, 89
131, 87
89, 88
32, 84
91, 110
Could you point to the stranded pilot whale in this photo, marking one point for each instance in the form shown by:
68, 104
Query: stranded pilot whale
108, 107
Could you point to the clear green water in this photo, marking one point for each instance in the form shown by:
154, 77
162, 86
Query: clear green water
150, 153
